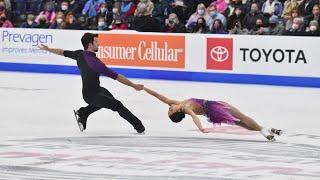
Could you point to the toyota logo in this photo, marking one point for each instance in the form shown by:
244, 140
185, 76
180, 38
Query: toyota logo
219, 53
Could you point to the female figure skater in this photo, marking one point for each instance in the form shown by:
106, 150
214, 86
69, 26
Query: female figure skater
216, 111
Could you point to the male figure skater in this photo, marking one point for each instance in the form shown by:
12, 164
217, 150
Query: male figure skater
96, 96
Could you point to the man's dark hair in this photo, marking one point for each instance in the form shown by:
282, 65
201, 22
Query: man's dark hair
177, 117
87, 38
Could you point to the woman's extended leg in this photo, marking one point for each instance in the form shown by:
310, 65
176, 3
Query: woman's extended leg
248, 123
245, 121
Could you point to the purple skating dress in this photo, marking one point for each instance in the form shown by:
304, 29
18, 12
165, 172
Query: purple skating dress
216, 112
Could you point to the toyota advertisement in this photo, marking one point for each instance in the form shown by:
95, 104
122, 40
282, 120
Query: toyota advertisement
220, 53
263, 56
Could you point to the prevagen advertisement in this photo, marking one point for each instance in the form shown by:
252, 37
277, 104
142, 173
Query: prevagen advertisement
29, 38
15, 42
21, 45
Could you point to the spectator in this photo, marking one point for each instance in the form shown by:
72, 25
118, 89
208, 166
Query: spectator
200, 12
272, 7
5, 8
64, 7
238, 29
117, 4
2, 9
235, 18
82, 22
7, 5
70, 21
75, 7
92, 23
160, 7
305, 7
201, 27
92, 7
48, 13
220, 5
143, 20
173, 25
289, 5
213, 15
5, 22
248, 4
111, 14
314, 16
217, 27
119, 24
144, 8
128, 8
294, 14
258, 28
250, 19
230, 8
102, 26
275, 28
297, 28
30, 22
181, 10
103, 10
59, 23
42, 22
116, 11
313, 29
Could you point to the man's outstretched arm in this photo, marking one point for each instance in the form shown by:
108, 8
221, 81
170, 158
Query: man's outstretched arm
52, 50
161, 97
96, 65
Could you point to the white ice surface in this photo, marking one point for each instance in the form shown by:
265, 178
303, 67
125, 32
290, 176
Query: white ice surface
39, 138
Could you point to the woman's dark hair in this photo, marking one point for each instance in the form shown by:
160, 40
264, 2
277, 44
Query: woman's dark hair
177, 117
220, 28
203, 26
87, 38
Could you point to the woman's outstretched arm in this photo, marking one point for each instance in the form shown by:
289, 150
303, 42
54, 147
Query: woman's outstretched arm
160, 96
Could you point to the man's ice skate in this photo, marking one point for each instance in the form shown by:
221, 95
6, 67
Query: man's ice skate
82, 123
140, 130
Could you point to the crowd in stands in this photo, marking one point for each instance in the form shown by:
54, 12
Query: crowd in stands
254, 17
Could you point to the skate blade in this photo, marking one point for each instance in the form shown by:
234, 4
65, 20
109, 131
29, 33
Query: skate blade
280, 132
77, 120
142, 133
271, 138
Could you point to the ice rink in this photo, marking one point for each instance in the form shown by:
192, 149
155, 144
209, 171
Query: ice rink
39, 138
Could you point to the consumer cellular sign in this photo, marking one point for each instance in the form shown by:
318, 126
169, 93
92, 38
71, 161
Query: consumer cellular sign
142, 50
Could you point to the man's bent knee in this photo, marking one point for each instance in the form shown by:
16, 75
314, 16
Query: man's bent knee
116, 106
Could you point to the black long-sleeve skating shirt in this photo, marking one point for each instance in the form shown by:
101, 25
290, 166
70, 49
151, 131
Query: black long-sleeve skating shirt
90, 69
